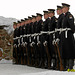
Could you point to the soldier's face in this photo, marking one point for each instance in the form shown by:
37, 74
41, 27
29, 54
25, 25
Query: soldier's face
18, 24
64, 9
27, 21
14, 26
37, 18
59, 12
22, 23
33, 20
30, 21
50, 14
46, 16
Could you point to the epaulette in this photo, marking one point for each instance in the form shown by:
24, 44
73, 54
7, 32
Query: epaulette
70, 16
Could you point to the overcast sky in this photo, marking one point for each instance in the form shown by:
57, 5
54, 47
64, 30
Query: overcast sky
23, 8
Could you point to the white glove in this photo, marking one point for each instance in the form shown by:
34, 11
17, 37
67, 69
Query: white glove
25, 43
31, 45
53, 42
57, 40
45, 43
38, 42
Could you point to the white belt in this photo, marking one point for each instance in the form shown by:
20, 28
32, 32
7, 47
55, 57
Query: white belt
43, 32
24, 35
50, 32
17, 37
62, 29
20, 36
14, 38
47, 32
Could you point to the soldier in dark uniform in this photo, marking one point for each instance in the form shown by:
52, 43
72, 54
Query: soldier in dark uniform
38, 38
18, 41
57, 34
25, 40
45, 41
33, 45
60, 18
51, 27
29, 39
14, 44
21, 41
68, 38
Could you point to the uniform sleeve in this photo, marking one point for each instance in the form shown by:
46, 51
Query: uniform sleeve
71, 22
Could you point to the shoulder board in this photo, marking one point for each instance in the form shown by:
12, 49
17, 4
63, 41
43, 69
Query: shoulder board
70, 16
56, 19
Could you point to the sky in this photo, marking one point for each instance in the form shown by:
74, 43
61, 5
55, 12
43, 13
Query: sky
20, 9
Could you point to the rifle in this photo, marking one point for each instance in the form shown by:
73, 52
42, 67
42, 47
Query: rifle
20, 56
27, 55
31, 56
16, 56
32, 53
15, 50
61, 65
19, 52
61, 30
37, 62
48, 56
58, 54
28, 60
24, 54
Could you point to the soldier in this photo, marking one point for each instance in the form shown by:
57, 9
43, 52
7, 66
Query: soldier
14, 44
29, 40
21, 41
39, 57
45, 41
25, 41
60, 18
33, 45
68, 38
33, 24
51, 27
18, 41
57, 35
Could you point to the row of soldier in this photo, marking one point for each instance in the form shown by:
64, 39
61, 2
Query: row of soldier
48, 44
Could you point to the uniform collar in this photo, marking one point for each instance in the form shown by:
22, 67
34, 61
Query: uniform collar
66, 13
52, 17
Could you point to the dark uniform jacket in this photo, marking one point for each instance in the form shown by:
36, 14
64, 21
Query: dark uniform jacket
28, 28
38, 27
52, 24
45, 28
24, 30
68, 43
51, 27
59, 23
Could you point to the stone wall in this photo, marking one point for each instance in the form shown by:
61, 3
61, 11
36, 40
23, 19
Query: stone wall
6, 45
